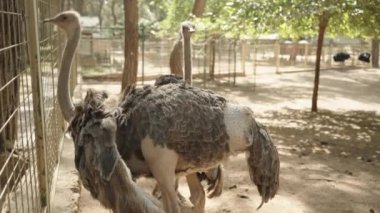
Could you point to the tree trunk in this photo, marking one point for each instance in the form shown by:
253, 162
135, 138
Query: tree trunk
198, 7
131, 41
211, 58
323, 23
375, 52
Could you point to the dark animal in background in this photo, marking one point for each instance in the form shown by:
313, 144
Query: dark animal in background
365, 57
341, 57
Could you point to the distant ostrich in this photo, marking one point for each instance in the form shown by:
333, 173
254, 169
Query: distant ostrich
176, 55
181, 52
100, 166
170, 130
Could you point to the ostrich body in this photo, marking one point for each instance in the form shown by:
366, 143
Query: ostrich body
157, 139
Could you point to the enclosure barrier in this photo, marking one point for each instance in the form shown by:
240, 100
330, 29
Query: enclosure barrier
31, 126
101, 55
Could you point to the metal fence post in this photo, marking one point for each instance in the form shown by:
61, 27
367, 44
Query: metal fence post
35, 71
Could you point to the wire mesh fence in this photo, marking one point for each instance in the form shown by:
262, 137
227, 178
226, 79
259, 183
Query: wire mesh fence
31, 126
222, 58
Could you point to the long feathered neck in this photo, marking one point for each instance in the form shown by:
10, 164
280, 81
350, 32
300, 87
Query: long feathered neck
187, 56
64, 98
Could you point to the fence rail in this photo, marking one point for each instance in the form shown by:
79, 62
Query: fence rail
31, 126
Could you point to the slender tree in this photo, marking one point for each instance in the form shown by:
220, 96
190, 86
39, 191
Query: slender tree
131, 43
322, 25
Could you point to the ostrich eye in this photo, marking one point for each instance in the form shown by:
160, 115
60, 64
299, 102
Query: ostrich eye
64, 18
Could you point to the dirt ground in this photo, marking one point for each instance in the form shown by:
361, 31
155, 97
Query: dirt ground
330, 160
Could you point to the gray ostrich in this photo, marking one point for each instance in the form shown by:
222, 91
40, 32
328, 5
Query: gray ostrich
102, 170
166, 131
100, 166
176, 55
182, 52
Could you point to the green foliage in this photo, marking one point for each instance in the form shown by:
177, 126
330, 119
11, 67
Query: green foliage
365, 19
291, 19
177, 12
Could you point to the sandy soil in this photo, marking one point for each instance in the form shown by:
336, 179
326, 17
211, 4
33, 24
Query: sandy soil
330, 161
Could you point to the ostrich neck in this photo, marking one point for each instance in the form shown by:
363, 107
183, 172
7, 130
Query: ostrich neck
64, 98
187, 57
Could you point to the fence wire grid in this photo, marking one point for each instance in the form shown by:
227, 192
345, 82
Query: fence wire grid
28, 159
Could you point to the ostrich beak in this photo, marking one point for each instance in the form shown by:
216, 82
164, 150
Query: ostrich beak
50, 20
47, 20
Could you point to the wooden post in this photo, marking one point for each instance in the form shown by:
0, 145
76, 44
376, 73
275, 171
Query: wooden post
323, 55
34, 58
254, 65
277, 56
189, 78
330, 53
39, 121
211, 58
306, 53
235, 50
243, 54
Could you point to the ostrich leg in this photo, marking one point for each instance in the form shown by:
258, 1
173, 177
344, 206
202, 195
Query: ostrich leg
162, 163
197, 194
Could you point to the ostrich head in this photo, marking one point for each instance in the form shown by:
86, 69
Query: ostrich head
68, 21
187, 28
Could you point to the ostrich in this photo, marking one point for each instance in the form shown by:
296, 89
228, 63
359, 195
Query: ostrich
182, 52
176, 54
158, 140
100, 166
